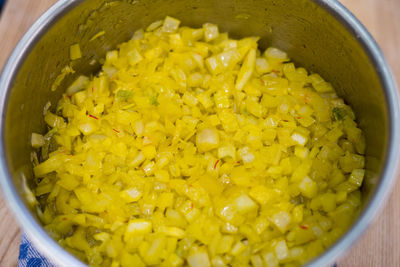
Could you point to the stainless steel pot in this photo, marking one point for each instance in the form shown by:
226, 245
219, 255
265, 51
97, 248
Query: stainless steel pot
320, 35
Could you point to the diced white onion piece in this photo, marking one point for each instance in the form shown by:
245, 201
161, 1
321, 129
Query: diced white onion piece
28, 194
134, 57
172, 231
138, 35
262, 65
246, 155
226, 151
86, 128
207, 139
199, 259
276, 53
246, 70
299, 138
308, 187
212, 64
75, 52
170, 24
238, 248
112, 56
244, 203
281, 250
270, 259
210, 31
139, 227
218, 262
281, 219
37, 140
154, 25
79, 84
357, 177
131, 194
109, 71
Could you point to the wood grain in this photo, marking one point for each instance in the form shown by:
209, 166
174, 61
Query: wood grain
380, 246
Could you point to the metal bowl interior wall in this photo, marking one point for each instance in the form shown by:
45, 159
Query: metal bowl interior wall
321, 36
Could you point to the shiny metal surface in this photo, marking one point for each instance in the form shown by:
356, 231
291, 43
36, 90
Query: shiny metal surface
320, 35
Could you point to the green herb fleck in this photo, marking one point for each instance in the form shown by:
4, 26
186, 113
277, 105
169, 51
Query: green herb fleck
50, 133
245, 112
124, 94
339, 113
64, 72
153, 100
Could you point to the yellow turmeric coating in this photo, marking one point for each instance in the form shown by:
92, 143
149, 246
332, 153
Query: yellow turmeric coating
193, 149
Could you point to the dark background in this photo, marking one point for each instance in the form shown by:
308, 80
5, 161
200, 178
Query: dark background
1, 4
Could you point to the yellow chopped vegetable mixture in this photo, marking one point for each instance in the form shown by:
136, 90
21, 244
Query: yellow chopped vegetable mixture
190, 148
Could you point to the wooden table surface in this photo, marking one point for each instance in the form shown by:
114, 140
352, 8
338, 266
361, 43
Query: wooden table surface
380, 246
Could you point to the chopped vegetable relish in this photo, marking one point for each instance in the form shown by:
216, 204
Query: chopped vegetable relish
191, 148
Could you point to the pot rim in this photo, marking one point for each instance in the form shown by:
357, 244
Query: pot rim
390, 168
58, 255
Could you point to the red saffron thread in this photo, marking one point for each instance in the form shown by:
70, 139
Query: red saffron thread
115, 130
94, 117
276, 71
216, 163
